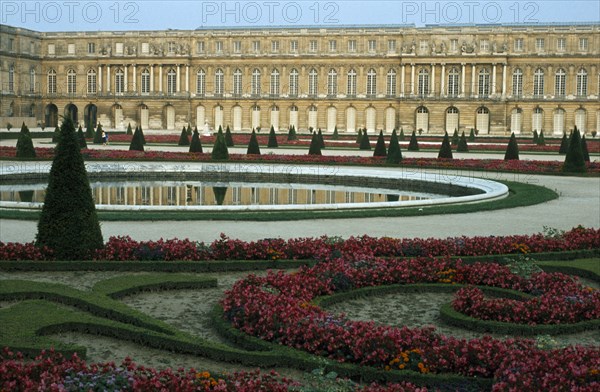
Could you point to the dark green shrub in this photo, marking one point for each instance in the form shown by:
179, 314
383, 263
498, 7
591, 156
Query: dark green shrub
401, 137
584, 149
8, 126
142, 137
24, 128
228, 137
55, 135
81, 138
183, 138
365, 144
321, 139
272, 139
462, 144
136, 141
380, 150
189, 130
472, 135
541, 139
129, 130
564, 144
253, 147
98, 135
89, 131
446, 148
68, 222
455, 137
574, 161
413, 145
359, 136
512, 150
25, 147
394, 155
335, 135
219, 151
535, 137
220, 192
196, 144
315, 145
292, 133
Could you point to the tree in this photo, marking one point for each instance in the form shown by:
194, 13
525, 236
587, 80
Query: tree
196, 144
472, 135
253, 147
129, 130
394, 154
365, 144
335, 135
380, 150
462, 144
541, 140
89, 131
220, 192
321, 139
55, 135
535, 136
292, 133
25, 147
574, 161
564, 144
401, 137
98, 135
142, 137
183, 138
68, 222
512, 150
219, 151
584, 149
189, 130
455, 137
81, 138
315, 145
272, 139
413, 145
445, 149
359, 136
24, 128
228, 137
137, 143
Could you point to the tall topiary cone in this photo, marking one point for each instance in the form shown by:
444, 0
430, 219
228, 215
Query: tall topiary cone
535, 137
129, 130
365, 144
446, 148
564, 144
584, 149
228, 137
462, 144
196, 144
220, 192
81, 138
335, 135
272, 139
321, 139
136, 141
98, 135
25, 147
380, 150
315, 145
219, 151
55, 135
394, 154
541, 139
413, 145
292, 133
189, 130
401, 137
68, 223
455, 137
512, 150
359, 136
574, 161
183, 138
253, 147
142, 137
89, 131
472, 135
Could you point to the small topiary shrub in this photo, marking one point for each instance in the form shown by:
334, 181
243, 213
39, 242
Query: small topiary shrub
584, 149
401, 137
89, 131
541, 139
142, 137
136, 141
455, 137
129, 130
98, 135
535, 137
81, 138
196, 144
394, 155
445, 149
512, 150
321, 139
55, 135
292, 133
472, 135
253, 148
359, 136
315, 145
365, 144
462, 144
272, 143
189, 130
228, 137
335, 135
413, 145
380, 150
574, 160
183, 138
219, 151
25, 147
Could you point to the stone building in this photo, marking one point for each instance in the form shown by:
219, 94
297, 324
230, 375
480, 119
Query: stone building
492, 78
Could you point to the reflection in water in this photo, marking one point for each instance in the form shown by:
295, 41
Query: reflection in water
190, 193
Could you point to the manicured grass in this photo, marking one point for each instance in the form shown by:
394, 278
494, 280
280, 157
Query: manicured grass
586, 268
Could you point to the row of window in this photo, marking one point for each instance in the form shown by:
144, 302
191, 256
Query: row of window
561, 44
423, 84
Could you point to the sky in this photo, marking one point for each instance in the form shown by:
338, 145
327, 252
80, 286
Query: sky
113, 15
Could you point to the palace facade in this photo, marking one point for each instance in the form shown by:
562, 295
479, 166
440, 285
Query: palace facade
493, 78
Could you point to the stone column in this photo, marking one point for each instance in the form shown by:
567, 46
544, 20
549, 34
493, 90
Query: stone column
187, 78
151, 78
160, 77
134, 85
443, 81
493, 79
412, 79
178, 80
473, 68
402, 81
432, 90
125, 71
108, 78
99, 90
503, 80
462, 80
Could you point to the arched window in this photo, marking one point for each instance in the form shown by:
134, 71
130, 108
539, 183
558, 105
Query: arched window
391, 83
453, 82
293, 82
332, 83
352, 83
201, 82
274, 83
11, 78
517, 83
312, 82
145, 81
91, 81
119, 81
423, 86
171, 81
219, 85
582, 81
51, 81
371, 83
538, 83
484, 83
32, 80
256, 82
71, 81
237, 83
560, 79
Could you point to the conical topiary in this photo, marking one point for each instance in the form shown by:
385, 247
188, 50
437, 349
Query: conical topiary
365, 144
183, 138
564, 144
253, 147
24, 128
541, 139
129, 130
81, 138
462, 144
142, 137
359, 136
315, 145
55, 135
98, 135
25, 147
335, 135
535, 136
219, 151
413, 145
189, 130
574, 161
136, 141
292, 133
584, 149
394, 154
89, 131
272, 139
68, 222
401, 137
380, 150
472, 135
228, 137
321, 139
446, 149
220, 192
512, 150
455, 137
196, 144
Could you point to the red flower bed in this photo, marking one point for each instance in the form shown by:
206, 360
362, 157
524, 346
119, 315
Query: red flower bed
278, 308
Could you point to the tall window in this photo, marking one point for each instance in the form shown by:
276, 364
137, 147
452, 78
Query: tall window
352, 83
119, 81
71, 81
582, 81
333, 45
274, 83
423, 86
145, 81
11, 78
294, 46
519, 45
560, 82
219, 46
275, 46
391, 83
392, 46
453, 82
312, 82
91, 48
237, 46
237, 83
561, 44
484, 82
372, 46
294, 82
517, 82
219, 82
484, 45
256, 46
32, 80
312, 46
256, 82
453, 45
171, 81
583, 44
52, 82
352, 46
540, 44
91, 81
538, 83
332, 83
371, 82
200, 47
